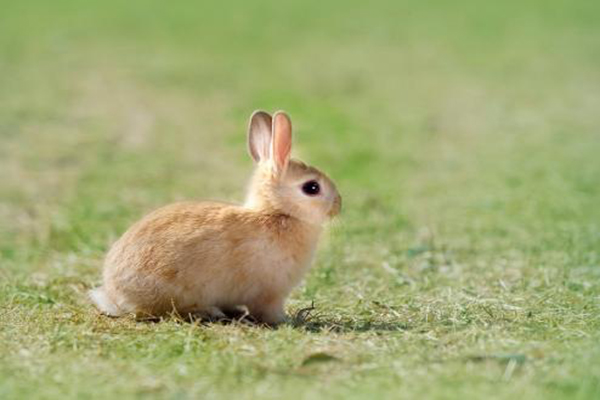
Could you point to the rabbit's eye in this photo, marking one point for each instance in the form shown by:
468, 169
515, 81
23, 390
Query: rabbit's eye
311, 188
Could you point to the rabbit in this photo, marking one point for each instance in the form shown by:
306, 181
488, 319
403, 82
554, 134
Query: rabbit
208, 258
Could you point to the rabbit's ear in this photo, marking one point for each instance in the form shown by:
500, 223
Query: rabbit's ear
281, 143
259, 136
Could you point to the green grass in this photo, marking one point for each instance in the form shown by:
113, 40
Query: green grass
464, 137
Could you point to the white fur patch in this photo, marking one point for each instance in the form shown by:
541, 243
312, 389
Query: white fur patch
103, 303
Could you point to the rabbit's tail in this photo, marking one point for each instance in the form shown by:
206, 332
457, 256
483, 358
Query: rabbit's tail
104, 303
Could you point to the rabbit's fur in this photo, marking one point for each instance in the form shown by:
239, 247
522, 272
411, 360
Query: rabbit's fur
207, 257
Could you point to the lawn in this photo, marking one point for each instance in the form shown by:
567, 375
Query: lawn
465, 140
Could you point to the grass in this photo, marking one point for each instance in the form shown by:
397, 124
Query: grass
464, 139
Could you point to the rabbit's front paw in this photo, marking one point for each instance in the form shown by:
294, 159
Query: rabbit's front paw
271, 313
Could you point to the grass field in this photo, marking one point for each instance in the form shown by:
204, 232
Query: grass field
464, 137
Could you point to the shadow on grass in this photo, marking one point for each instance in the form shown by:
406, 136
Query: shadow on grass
305, 319
350, 325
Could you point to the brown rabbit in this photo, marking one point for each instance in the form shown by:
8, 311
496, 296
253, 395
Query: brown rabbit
207, 257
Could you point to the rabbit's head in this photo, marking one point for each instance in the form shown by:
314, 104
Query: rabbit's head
284, 185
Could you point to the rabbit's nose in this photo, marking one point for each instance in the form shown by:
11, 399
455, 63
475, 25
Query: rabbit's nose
336, 207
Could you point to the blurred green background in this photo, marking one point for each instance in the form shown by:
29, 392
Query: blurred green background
464, 137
